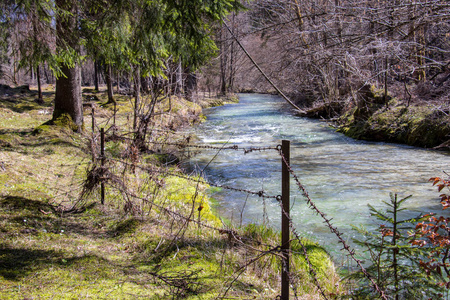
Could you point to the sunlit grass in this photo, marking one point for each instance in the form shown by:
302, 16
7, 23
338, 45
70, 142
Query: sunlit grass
114, 251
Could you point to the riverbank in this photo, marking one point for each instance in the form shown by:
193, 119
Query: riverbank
376, 118
58, 241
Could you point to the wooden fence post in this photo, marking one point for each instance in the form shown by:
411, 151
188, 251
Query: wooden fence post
93, 118
102, 154
285, 216
93, 133
114, 119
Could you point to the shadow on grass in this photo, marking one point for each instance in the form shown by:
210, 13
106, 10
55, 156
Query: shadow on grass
23, 103
21, 99
21, 132
24, 204
16, 263
53, 142
12, 139
32, 216
29, 216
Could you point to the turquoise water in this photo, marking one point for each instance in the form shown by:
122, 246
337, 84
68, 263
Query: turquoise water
342, 175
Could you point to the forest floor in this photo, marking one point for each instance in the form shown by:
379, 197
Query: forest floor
58, 242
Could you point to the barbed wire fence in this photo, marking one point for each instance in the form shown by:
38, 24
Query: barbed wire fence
101, 174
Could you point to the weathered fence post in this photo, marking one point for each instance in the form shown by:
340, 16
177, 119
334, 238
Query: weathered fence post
93, 132
285, 211
114, 116
93, 118
102, 154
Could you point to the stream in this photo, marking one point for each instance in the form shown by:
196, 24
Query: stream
342, 175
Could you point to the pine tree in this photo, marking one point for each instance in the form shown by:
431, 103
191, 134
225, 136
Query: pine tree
394, 261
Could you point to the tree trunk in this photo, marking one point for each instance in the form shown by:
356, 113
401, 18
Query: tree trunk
191, 83
144, 85
232, 51
96, 75
223, 63
38, 78
68, 86
68, 95
109, 86
47, 79
137, 95
179, 83
118, 83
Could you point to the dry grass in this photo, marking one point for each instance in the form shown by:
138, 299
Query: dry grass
118, 251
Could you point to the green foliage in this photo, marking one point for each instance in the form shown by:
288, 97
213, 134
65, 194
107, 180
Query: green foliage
394, 261
146, 33
434, 235
121, 33
5, 19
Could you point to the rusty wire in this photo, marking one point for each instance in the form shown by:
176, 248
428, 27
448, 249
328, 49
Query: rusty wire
312, 271
328, 223
232, 147
192, 219
179, 215
261, 193
231, 233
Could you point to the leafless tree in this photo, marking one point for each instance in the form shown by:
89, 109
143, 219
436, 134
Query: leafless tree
332, 50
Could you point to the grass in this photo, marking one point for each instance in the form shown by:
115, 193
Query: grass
55, 244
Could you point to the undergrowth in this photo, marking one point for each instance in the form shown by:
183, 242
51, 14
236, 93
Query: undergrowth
58, 242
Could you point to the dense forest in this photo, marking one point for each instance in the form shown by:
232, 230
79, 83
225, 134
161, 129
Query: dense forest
94, 94
342, 60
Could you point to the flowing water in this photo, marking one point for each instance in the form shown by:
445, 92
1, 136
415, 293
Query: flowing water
342, 175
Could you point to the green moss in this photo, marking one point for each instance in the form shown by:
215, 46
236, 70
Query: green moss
202, 118
118, 251
417, 126
64, 120
25, 107
216, 102
233, 98
186, 195
129, 225
115, 148
7, 141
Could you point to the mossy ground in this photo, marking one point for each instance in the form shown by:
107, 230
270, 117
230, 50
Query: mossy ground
419, 124
127, 248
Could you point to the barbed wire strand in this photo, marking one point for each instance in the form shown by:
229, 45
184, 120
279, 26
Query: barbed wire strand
230, 232
242, 269
261, 193
312, 271
305, 193
332, 228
